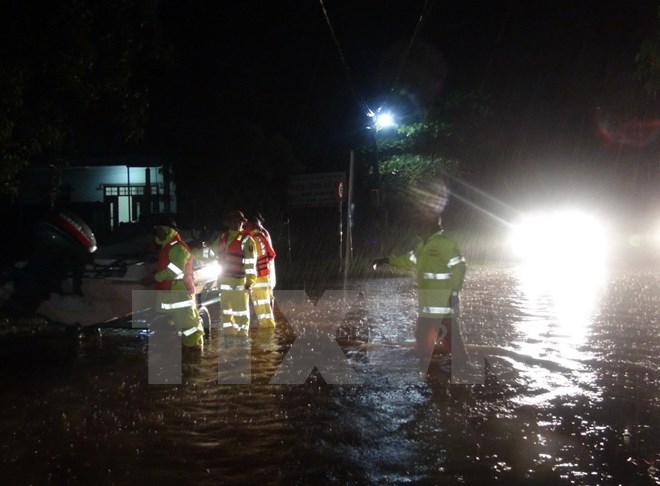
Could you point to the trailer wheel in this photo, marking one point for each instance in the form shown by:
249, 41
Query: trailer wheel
206, 319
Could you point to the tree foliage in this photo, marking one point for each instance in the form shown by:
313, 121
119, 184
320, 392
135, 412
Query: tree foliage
73, 72
430, 145
648, 63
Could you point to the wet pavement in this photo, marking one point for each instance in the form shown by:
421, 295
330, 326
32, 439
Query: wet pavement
571, 395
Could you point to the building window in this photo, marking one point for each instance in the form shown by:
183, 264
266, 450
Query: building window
128, 203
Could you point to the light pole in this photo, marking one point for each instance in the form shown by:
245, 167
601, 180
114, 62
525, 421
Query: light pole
378, 122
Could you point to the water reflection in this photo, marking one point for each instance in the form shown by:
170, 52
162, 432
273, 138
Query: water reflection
557, 309
573, 398
571, 297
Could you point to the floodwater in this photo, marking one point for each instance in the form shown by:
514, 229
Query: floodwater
571, 396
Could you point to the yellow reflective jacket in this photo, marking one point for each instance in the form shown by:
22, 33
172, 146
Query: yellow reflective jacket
237, 255
174, 280
440, 269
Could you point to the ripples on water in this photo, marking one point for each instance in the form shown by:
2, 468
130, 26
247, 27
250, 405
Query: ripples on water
571, 397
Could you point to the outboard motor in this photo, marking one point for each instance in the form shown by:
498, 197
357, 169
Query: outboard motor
64, 246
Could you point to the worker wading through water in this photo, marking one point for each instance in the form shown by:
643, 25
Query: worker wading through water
440, 270
262, 292
235, 250
173, 280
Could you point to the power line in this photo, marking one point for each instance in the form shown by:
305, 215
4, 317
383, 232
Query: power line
426, 9
363, 106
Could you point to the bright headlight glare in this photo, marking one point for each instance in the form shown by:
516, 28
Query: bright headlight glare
560, 239
656, 235
210, 271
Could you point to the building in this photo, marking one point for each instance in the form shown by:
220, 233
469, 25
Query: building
106, 196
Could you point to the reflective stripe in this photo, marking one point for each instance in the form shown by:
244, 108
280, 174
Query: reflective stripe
190, 331
436, 276
241, 313
227, 311
229, 325
437, 310
178, 273
412, 258
261, 285
249, 260
268, 315
250, 271
262, 301
178, 305
455, 261
230, 287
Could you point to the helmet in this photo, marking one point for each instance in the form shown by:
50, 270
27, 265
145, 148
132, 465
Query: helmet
257, 220
257, 217
234, 215
165, 220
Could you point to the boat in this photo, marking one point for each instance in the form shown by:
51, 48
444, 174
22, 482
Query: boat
68, 281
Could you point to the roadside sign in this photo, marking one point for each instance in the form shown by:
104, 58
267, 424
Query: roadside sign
316, 190
340, 190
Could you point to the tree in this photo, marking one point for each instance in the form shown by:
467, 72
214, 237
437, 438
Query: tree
648, 63
416, 152
432, 144
74, 78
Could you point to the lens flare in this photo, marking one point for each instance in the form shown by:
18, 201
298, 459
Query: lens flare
563, 267
211, 271
561, 250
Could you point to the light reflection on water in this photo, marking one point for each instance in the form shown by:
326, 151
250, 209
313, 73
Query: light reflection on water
572, 396
557, 309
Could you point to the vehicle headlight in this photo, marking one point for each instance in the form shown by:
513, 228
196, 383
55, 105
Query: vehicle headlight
561, 240
210, 271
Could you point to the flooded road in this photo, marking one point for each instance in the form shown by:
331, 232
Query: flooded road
571, 396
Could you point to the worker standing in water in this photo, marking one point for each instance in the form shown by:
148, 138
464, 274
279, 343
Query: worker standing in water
262, 291
173, 279
440, 270
236, 252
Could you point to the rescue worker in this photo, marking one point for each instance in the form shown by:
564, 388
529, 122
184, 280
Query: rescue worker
173, 279
235, 250
273, 277
440, 270
262, 292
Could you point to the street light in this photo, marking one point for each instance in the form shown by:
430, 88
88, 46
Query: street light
380, 120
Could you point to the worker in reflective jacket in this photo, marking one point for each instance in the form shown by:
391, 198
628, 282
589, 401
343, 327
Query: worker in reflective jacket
235, 250
262, 292
440, 270
173, 279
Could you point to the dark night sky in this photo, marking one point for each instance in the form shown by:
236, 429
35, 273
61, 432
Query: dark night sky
547, 65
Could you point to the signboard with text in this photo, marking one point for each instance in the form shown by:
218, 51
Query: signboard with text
316, 190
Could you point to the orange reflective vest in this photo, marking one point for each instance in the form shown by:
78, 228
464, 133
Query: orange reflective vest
231, 255
265, 254
180, 270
